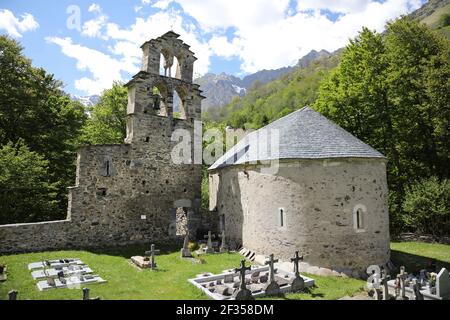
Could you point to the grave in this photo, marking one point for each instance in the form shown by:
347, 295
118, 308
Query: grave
146, 261
226, 286
425, 286
298, 284
12, 295
185, 252
63, 273
69, 282
86, 294
223, 244
209, 247
56, 272
242, 293
54, 263
3, 275
272, 288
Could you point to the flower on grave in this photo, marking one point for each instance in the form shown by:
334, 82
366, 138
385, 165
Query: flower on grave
192, 246
433, 276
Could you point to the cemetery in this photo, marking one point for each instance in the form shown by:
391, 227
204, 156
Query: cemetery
176, 277
317, 228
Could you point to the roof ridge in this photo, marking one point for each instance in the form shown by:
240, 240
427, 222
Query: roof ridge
287, 116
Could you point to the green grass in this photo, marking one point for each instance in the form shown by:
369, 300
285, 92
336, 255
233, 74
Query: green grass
128, 282
417, 255
328, 288
170, 282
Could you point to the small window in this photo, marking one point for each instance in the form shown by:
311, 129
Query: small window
108, 173
281, 217
359, 217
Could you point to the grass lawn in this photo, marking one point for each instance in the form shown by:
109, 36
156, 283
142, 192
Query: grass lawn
170, 282
417, 255
128, 282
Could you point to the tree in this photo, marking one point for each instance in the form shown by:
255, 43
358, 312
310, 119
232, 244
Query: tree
444, 20
34, 109
427, 207
26, 195
107, 122
393, 92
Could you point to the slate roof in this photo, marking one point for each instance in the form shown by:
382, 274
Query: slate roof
303, 134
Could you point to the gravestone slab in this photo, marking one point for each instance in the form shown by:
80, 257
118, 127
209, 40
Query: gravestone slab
68, 271
69, 282
443, 284
141, 262
54, 263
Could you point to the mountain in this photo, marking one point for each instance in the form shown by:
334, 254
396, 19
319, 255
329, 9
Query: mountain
432, 13
429, 13
220, 89
87, 101
310, 57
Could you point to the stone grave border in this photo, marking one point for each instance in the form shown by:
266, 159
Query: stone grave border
204, 279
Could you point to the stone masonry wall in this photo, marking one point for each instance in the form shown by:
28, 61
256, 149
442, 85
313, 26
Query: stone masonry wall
318, 199
129, 193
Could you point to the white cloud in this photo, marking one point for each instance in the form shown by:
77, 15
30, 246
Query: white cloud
342, 6
220, 46
152, 27
268, 34
95, 8
103, 68
162, 4
14, 26
94, 28
262, 34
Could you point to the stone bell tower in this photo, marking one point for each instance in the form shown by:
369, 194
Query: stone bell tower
163, 84
152, 91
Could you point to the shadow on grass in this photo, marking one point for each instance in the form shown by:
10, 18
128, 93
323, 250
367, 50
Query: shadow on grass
305, 291
129, 250
414, 263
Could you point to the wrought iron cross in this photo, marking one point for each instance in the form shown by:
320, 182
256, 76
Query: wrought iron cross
296, 260
152, 253
242, 271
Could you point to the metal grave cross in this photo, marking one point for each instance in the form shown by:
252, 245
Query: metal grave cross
152, 253
296, 260
242, 271
271, 264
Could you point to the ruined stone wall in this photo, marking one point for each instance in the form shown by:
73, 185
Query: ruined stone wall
129, 193
319, 199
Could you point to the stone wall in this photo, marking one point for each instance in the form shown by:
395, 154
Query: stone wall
25, 237
319, 199
129, 193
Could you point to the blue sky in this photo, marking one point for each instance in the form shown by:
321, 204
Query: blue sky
90, 43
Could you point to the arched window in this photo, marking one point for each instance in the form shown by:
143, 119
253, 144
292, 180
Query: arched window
359, 218
281, 218
179, 104
162, 62
159, 100
175, 70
